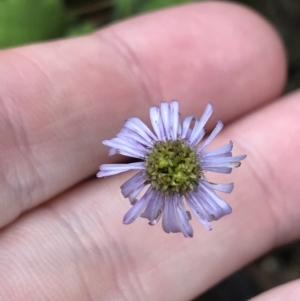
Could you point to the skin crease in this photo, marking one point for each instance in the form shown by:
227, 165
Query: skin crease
59, 100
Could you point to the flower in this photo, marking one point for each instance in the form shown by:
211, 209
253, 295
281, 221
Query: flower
174, 160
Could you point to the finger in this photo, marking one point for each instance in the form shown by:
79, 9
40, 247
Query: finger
287, 292
80, 235
61, 99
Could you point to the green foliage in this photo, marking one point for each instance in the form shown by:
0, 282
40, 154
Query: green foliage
28, 21
124, 8
80, 29
25, 21
127, 8
156, 4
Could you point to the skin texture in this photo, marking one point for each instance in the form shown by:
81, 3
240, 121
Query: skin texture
62, 236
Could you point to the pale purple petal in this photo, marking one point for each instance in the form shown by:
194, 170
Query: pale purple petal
130, 185
186, 125
139, 127
156, 220
188, 213
210, 194
230, 162
136, 210
125, 150
125, 132
229, 154
165, 116
206, 165
182, 217
198, 130
179, 132
227, 148
225, 170
172, 223
123, 166
157, 124
149, 141
112, 152
126, 186
126, 141
198, 139
174, 119
152, 212
133, 195
206, 208
199, 210
113, 169
226, 188
212, 136
211, 210
188, 134
169, 222
128, 153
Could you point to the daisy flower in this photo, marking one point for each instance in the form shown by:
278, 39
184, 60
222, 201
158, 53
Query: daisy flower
172, 163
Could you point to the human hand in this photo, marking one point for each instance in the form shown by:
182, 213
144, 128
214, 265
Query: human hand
62, 236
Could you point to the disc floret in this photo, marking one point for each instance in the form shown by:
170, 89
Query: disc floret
173, 167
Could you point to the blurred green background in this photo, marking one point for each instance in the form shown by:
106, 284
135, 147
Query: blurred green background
27, 21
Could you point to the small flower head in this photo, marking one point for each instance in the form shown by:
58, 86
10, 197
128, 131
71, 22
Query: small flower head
174, 161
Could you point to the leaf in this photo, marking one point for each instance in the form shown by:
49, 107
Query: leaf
26, 21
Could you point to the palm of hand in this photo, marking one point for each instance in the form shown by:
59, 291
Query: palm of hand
60, 100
